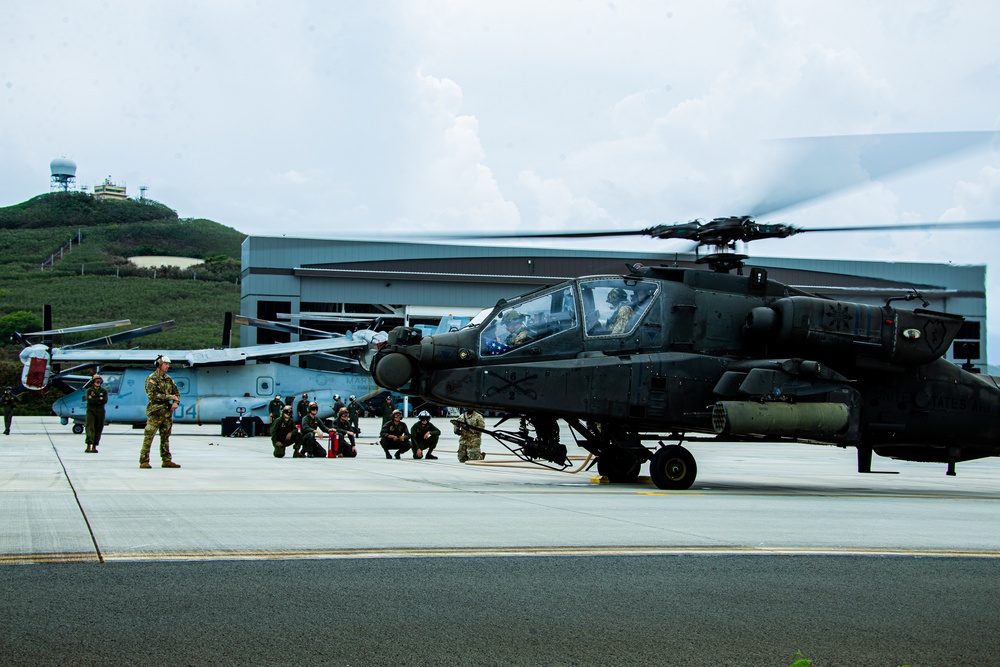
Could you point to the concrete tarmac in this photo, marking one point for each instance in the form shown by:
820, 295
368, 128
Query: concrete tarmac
434, 526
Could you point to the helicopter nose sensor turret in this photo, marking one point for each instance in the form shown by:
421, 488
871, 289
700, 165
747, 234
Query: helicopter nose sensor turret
392, 370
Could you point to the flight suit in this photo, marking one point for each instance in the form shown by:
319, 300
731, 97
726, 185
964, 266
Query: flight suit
274, 409
284, 433
97, 398
159, 388
310, 447
470, 440
419, 430
354, 412
345, 428
7, 401
395, 435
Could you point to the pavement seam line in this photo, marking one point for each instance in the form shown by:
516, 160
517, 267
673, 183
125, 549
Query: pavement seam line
76, 497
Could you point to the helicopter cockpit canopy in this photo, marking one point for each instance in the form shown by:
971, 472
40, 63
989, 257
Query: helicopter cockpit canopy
612, 306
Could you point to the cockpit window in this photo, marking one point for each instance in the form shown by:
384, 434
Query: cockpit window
112, 382
614, 306
529, 321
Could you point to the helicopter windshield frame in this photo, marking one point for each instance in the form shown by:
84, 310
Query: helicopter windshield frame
529, 319
625, 300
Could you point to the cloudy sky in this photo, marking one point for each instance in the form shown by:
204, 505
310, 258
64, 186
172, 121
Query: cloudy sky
403, 118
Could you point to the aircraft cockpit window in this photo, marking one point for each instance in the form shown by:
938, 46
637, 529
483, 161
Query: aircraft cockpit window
112, 382
529, 321
614, 306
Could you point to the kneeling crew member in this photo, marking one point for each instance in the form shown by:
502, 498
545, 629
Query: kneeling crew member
395, 435
425, 436
285, 433
345, 429
311, 428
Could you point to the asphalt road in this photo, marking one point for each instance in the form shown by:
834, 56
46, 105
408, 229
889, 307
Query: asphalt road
242, 559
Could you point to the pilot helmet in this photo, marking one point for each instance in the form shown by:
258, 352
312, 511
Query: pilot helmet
397, 412
313, 406
98, 378
617, 295
287, 409
277, 396
162, 359
9, 389
512, 316
423, 414
336, 397
352, 397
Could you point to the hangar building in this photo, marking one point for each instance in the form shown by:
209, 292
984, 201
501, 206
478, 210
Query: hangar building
419, 283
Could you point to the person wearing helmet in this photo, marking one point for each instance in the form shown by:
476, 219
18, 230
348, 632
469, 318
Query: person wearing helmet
312, 427
343, 426
425, 436
284, 433
387, 409
395, 435
96, 397
517, 333
7, 401
354, 411
338, 403
621, 311
164, 398
274, 408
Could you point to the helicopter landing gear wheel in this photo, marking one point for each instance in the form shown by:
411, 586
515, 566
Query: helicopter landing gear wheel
673, 468
78, 428
619, 469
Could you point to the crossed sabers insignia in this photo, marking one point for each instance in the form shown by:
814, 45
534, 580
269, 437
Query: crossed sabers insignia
514, 387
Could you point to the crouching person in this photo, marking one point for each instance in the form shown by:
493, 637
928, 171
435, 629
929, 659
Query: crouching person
312, 427
425, 436
285, 433
395, 435
345, 429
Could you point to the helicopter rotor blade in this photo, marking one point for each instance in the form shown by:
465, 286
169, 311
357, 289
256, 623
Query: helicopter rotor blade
827, 166
85, 327
123, 336
919, 226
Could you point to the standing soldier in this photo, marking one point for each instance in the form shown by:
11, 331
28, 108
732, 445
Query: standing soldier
337, 405
469, 439
274, 408
387, 410
7, 401
97, 397
354, 411
163, 400
302, 409
425, 436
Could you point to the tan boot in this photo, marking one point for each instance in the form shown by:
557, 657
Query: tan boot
144, 464
170, 464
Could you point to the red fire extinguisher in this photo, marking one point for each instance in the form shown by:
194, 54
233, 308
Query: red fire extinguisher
334, 445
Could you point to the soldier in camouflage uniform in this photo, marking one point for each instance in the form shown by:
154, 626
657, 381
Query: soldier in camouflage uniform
469, 440
163, 400
97, 397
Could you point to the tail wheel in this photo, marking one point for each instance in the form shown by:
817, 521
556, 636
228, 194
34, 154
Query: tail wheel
673, 468
78, 428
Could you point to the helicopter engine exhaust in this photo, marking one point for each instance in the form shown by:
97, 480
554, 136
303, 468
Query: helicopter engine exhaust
779, 418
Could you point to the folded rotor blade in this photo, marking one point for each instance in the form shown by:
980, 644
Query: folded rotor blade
85, 327
282, 327
123, 336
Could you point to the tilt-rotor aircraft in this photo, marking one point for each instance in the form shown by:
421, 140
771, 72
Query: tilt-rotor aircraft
638, 363
214, 384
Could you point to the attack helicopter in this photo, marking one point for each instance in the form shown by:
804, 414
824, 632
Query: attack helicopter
682, 355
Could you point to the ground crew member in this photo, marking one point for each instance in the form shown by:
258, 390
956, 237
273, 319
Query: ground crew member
163, 400
425, 436
337, 405
395, 435
274, 408
7, 401
302, 409
311, 428
387, 410
347, 434
97, 398
354, 412
284, 433
470, 440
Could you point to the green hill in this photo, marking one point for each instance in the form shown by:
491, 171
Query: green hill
93, 281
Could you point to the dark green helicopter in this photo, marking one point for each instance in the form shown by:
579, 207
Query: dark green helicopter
684, 354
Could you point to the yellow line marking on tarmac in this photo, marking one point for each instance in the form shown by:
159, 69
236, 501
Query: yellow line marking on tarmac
492, 552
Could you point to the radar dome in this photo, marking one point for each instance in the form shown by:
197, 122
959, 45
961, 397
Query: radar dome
63, 167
